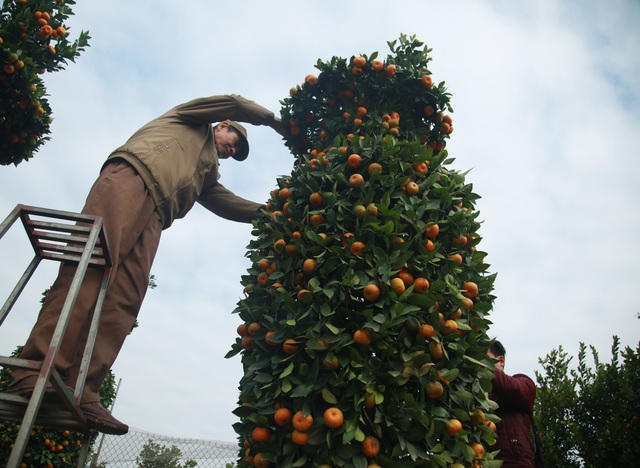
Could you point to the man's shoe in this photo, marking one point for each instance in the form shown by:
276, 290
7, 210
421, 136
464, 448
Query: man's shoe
101, 420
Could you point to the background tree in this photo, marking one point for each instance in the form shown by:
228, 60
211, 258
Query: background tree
34, 39
590, 416
363, 338
155, 455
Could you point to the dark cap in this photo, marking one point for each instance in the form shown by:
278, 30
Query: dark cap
243, 145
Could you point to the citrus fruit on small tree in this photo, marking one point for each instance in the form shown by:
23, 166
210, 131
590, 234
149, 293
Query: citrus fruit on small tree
33, 40
350, 336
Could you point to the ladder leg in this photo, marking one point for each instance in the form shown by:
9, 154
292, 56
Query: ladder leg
84, 452
22, 439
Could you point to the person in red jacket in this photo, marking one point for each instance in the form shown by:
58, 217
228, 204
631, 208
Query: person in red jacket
515, 396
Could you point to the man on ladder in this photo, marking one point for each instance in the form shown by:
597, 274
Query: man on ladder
154, 178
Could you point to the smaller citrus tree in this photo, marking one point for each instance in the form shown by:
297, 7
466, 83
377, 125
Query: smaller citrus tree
34, 39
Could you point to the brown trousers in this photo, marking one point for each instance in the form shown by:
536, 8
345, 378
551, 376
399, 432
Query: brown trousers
133, 231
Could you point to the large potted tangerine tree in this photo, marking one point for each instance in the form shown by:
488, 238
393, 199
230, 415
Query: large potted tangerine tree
363, 334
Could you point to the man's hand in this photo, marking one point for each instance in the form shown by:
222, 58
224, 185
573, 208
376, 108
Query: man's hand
278, 127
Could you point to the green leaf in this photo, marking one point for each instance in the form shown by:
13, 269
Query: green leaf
288, 370
286, 386
359, 461
328, 396
302, 461
474, 361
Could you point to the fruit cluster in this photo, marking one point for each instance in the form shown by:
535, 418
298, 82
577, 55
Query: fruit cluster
33, 40
363, 96
366, 306
47, 447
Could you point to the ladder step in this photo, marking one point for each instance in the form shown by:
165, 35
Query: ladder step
50, 414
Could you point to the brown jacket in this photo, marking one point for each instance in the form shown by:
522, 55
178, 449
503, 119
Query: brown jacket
515, 395
176, 157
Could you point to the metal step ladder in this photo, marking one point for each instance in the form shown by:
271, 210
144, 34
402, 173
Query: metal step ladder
63, 237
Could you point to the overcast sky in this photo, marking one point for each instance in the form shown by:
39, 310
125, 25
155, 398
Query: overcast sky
547, 118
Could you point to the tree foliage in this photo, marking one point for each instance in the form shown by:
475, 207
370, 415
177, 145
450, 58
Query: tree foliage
34, 39
589, 416
155, 455
367, 291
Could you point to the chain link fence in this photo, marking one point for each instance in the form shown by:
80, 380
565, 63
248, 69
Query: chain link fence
138, 448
